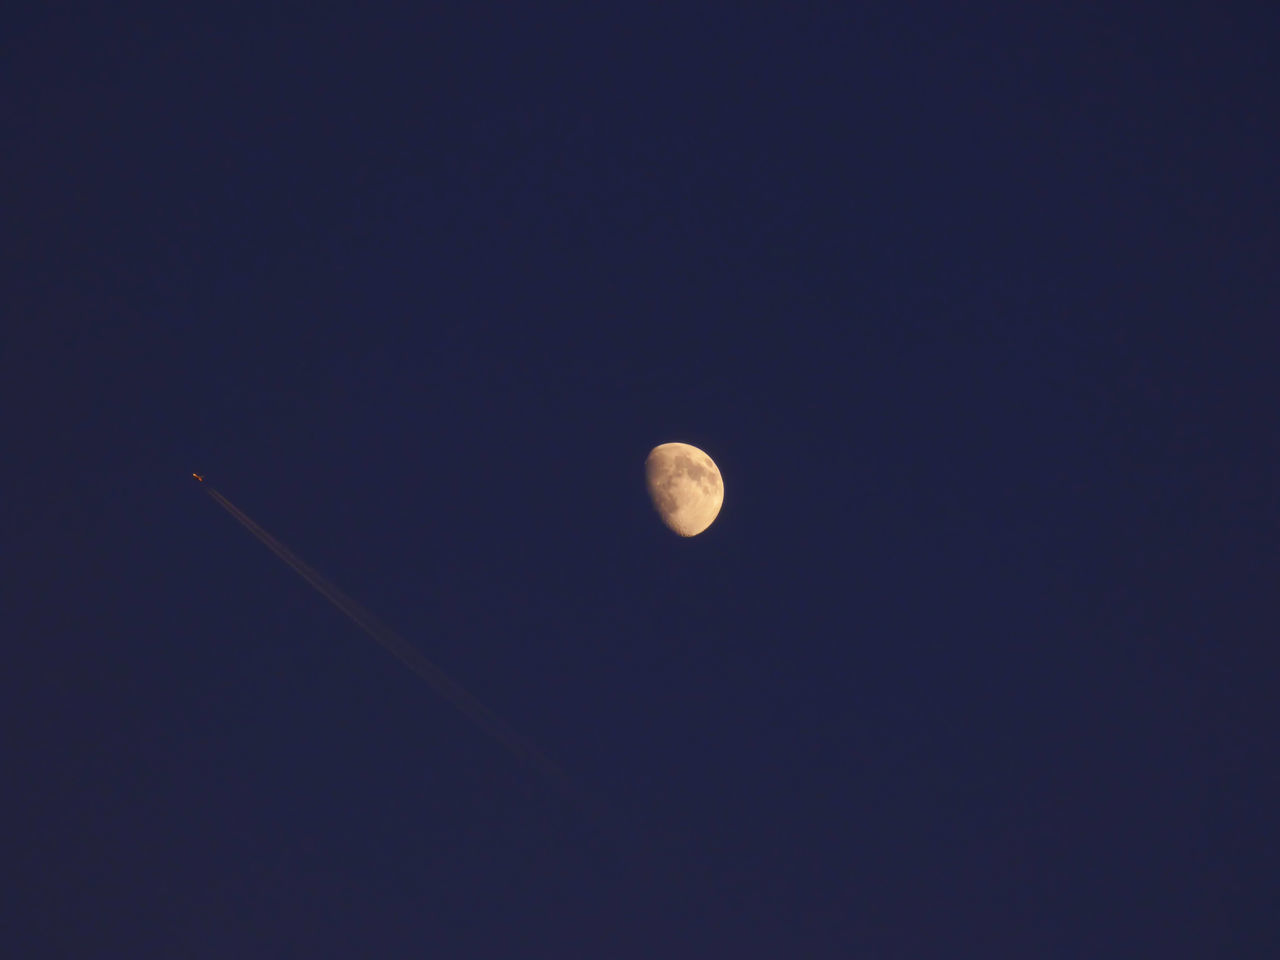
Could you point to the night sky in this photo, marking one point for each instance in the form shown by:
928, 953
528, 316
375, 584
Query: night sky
976, 309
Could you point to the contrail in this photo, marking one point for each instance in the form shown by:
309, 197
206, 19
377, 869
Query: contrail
445, 685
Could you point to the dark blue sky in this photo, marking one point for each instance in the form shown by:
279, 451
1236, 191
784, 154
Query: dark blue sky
975, 309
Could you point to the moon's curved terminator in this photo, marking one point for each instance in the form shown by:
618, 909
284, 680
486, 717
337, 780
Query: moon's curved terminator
685, 486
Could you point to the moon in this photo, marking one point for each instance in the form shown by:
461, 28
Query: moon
685, 486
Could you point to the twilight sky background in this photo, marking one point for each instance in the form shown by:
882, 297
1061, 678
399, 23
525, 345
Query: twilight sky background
974, 306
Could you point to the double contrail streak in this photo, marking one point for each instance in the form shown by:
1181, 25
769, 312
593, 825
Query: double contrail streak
391, 641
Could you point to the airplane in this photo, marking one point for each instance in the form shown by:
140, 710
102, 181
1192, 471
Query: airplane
198, 477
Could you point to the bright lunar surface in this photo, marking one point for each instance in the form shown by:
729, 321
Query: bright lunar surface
685, 486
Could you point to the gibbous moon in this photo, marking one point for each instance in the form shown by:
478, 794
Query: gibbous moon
685, 487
